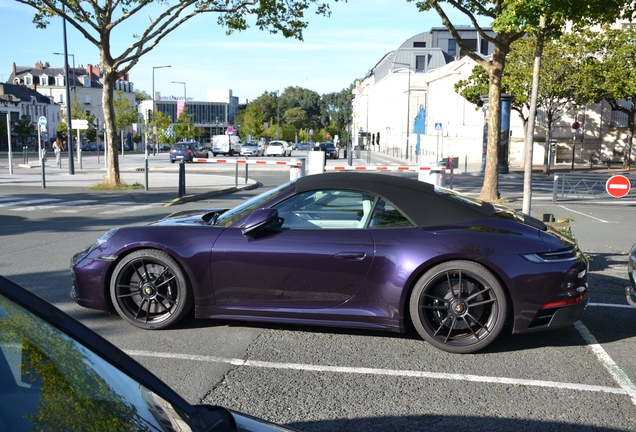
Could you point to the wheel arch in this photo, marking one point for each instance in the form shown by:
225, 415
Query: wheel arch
426, 266
120, 257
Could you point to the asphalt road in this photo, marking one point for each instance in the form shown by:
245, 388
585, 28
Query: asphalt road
318, 379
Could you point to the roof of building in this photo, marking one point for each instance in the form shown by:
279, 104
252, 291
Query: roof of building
23, 93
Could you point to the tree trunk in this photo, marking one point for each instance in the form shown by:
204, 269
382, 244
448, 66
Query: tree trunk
112, 170
529, 135
627, 156
490, 188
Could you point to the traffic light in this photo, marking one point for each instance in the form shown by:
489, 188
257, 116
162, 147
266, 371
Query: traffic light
377, 138
149, 116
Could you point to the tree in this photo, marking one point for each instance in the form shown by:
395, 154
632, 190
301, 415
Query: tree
556, 91
24, 128
607, 71
98, 21
496, 10
511, 19
252, 122
182, 129
125, 114
164, 134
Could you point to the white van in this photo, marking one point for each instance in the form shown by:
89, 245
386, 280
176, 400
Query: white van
228, 145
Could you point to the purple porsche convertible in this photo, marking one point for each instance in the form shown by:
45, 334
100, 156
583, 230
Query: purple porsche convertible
345, 249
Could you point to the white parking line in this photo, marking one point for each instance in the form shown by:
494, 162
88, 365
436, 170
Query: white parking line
390, 372
617, 373
591, 217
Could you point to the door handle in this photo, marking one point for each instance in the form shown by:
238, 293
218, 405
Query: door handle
351, 256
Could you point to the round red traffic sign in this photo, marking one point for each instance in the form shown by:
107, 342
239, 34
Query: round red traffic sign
618, 186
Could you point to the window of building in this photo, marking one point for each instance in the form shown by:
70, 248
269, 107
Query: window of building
87, 99
28, 80
471, 43
452, 47
59, 81
484, 47
44, 80
87, 81
60, 98
419, 44
420, 63
619, 118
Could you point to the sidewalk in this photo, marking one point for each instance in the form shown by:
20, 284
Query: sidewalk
202, 180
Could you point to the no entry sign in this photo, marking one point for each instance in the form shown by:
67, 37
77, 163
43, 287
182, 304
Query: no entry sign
618, 186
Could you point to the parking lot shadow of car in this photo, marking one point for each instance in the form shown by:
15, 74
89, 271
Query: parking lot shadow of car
439, 422
507, 342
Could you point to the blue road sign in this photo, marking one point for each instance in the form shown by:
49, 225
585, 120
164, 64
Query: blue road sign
438, 126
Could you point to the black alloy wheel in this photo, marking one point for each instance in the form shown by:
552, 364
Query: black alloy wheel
149, 290
458, 307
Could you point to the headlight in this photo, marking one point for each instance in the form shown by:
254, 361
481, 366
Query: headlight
550, 257
100, 241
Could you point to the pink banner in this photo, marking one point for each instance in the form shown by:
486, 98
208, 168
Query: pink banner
180, 107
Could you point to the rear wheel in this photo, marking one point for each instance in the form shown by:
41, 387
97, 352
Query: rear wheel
458, 306
149, 290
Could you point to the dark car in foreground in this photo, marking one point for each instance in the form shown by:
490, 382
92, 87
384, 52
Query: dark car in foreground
57, 374
187, 151
330, 149
344, 249
630, 291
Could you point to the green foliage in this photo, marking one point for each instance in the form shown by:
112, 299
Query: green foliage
183, 128
125, 112
90, 134
24, 128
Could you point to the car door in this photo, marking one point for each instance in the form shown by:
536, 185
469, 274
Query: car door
317, 258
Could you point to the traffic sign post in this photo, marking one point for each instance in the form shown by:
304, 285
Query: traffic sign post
618, 186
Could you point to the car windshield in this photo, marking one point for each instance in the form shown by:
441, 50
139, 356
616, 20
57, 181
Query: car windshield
52, 382
181, 146
229, 217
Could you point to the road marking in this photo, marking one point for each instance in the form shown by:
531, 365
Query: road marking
583, 214
53, 205
621, 306
35, 201
132, 209
617, 373
386, 372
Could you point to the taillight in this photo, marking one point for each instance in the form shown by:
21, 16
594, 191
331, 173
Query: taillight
189, 151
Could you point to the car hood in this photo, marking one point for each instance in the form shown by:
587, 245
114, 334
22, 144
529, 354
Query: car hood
190, 217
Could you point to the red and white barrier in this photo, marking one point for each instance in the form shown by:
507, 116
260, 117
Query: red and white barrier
382, 168
247, 162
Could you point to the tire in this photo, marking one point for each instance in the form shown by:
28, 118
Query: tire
149, 290
231, 152
171, 160
214, 154
458, 322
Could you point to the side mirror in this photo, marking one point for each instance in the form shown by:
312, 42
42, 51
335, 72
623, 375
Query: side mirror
259, 218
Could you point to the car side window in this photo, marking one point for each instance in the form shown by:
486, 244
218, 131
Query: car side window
326, 209
385, 215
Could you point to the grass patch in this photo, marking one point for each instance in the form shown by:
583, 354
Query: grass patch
120, 186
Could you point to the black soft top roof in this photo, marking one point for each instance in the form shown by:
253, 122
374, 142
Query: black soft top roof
417, 200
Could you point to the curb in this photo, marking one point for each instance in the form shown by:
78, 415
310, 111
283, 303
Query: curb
204, 195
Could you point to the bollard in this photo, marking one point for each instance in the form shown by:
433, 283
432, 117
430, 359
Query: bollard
42, 163
182, 187
555, 188
146, 170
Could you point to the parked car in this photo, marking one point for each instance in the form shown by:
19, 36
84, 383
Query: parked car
330, 149
58, 374
251, 148
344, 249
304, 146
278, 148
89, 147
227, 145
630, 291
187, 151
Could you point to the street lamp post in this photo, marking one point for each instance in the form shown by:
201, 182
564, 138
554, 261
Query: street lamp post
408, 107
185, 100
154, 109
69, 130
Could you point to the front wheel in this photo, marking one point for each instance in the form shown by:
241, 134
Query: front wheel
149, 290
458, 307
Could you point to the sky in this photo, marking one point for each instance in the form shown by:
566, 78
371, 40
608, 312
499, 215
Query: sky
335, 50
